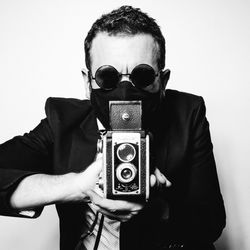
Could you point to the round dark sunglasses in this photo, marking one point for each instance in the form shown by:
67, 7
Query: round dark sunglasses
107, 77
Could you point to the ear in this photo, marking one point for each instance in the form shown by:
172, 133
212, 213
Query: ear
165, 74
87, 85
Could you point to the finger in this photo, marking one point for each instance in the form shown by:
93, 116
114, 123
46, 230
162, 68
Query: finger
168, 183
113, 205
152, 180
121, 218
95, 168
114, 215
160, 177
99, 156
98, 190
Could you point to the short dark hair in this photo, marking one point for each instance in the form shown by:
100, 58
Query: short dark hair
126, 20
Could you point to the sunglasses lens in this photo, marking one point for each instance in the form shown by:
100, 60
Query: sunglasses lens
143, 75
107, 77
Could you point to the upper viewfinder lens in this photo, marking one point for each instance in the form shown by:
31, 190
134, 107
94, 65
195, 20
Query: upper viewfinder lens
126, 152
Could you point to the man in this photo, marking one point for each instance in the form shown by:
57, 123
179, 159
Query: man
58, 163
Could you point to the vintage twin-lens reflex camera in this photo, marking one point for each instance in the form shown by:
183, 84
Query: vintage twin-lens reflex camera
126, 157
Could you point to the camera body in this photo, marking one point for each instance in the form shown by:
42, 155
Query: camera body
126, 157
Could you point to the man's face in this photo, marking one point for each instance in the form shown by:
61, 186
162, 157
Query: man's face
124, 52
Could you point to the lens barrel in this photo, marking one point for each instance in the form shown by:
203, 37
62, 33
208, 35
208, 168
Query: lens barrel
126, 172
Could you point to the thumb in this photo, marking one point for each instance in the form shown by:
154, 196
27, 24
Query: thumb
96, 167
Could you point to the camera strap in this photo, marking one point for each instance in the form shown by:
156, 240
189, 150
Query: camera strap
99, 233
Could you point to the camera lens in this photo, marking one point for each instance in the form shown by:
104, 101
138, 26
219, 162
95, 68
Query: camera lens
126, 152
126, 172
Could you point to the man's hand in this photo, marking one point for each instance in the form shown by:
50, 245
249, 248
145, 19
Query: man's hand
115, 209
159, 181
41, 189
159, 184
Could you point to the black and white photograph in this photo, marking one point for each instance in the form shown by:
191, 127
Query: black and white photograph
124, 125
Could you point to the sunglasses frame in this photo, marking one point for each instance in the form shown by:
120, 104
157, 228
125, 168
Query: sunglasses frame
122, 74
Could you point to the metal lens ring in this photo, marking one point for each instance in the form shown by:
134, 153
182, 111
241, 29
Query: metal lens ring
126, 152
107, 77
143, 75
126, 172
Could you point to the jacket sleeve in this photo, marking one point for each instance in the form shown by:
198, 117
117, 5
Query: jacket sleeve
20, 157
198, 213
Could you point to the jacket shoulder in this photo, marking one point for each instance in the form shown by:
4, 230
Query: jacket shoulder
183, 106
67, 111
182, 101
178, 98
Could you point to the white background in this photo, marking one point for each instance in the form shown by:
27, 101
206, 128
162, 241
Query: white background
41, 55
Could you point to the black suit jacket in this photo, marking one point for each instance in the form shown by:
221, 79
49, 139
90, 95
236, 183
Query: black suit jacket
65, 141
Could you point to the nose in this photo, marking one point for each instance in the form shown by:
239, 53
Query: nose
125, 90
125, 78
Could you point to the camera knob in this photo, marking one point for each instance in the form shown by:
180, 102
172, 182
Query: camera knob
100, 183
125, 116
